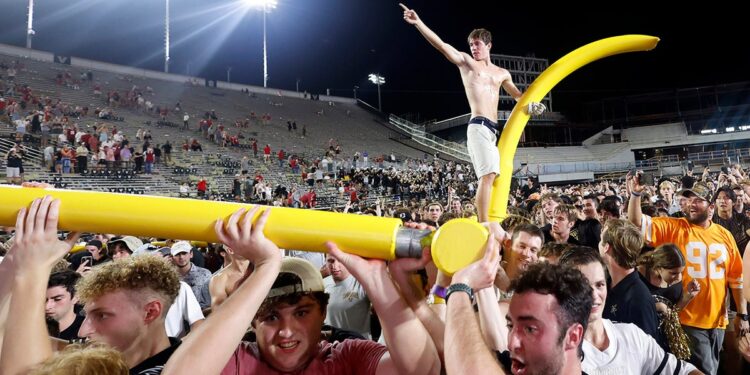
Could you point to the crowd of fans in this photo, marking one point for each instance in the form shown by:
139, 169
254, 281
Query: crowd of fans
619, 276
642, 286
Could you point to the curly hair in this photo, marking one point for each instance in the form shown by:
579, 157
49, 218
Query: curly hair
568, 285
148, 274
512, 221
95, 359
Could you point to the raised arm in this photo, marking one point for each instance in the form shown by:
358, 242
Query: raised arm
452, 54
634, 206
401, 271
35, 250
465, 350
410, 348
492, 320
204, 351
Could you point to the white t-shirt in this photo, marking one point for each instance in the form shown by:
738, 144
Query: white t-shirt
348, 306
185, 309
630, 351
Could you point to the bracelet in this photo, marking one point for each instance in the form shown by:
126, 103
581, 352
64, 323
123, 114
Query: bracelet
438, 291
635, 194
460, 287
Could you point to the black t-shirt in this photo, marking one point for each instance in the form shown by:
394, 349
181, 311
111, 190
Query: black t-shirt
547, 230
631, 302
672, 293
587, 232
71, 333
739, 226
504, 359
155, 364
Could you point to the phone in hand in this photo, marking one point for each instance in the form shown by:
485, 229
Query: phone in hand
645, 179
87, 259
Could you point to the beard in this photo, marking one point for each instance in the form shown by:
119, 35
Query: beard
697, 218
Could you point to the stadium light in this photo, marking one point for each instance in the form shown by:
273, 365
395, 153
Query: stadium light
265, 6
30, 25
166, 37
378, 80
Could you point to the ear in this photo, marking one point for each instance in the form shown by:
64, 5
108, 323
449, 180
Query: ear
573, 337
153, 311
507, 242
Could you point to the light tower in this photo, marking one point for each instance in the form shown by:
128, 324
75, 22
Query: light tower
30, 25
265, 6
377, 80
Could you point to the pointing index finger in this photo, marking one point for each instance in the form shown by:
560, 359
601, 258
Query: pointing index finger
403, 7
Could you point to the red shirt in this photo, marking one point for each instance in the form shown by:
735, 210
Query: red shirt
348, 357
267, 150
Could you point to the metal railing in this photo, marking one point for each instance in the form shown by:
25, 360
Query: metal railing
417, 134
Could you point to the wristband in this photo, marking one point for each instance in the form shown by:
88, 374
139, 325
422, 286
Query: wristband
435, 300
438, 291
633, 193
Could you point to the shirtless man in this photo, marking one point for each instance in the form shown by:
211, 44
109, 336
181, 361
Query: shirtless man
223, 283
482, 81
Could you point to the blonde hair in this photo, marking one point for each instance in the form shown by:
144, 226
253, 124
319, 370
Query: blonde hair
666, 183
145, 274
625, 240
77, 359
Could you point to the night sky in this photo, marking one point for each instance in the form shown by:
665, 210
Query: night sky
336, 43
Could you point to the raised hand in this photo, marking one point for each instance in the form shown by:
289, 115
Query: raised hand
36, 243
84, 268
634, 183
247, 239
481, 274
498, 231
410, 15
535, 108
409, 265
364, 270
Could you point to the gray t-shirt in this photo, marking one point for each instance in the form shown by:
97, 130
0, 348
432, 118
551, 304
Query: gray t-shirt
348, 306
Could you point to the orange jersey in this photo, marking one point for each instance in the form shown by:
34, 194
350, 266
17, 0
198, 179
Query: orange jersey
711, 258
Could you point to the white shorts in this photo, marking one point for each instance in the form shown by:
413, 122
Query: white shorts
12, 172
482, 145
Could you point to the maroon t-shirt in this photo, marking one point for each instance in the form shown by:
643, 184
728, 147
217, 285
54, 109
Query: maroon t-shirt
340, 358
